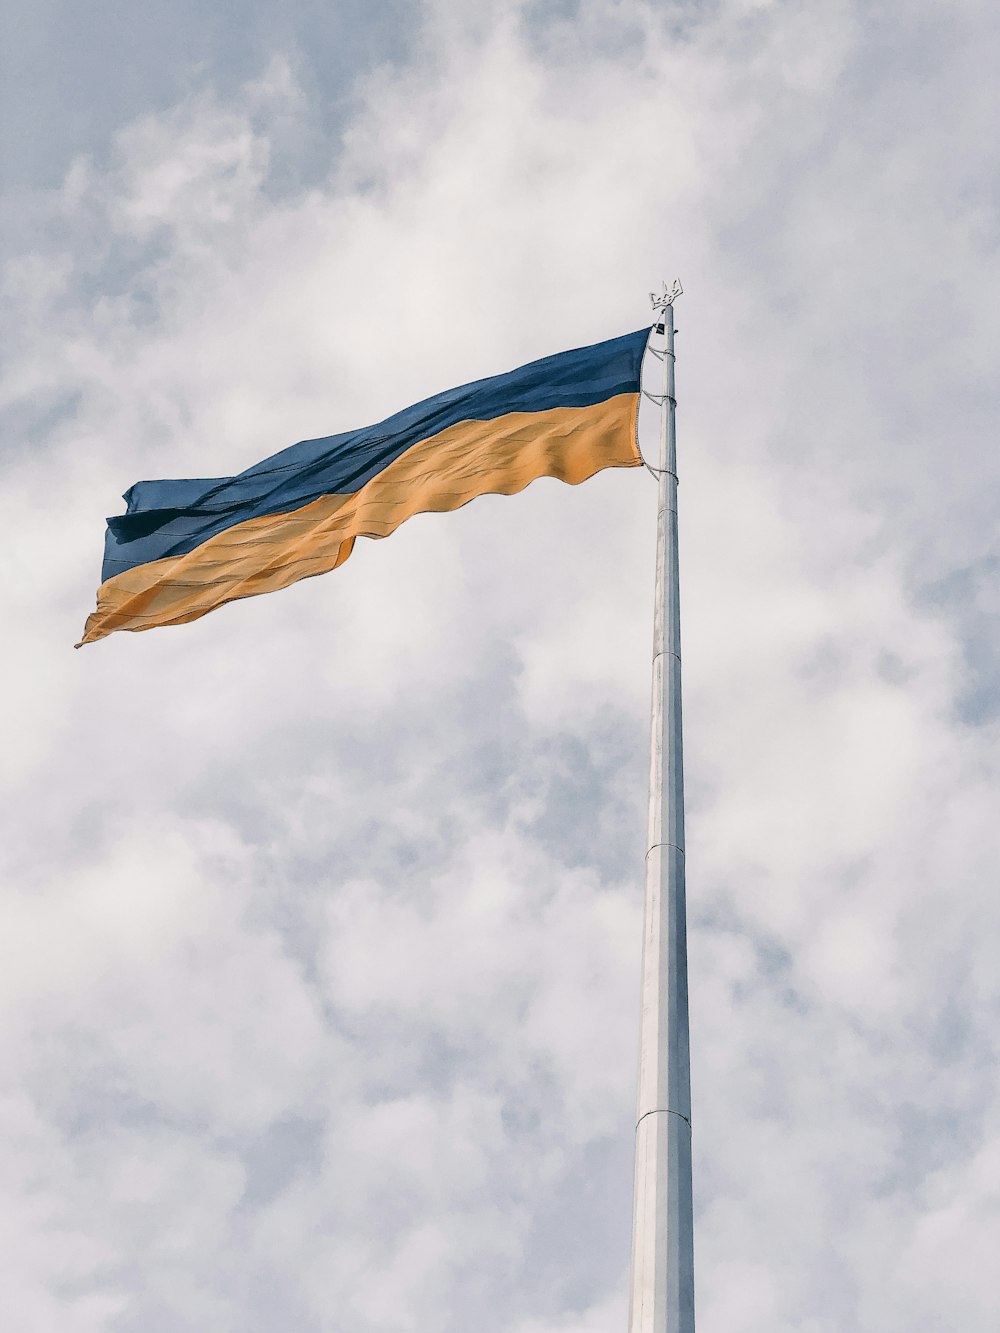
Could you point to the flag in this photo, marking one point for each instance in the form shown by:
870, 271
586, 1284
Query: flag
184, 548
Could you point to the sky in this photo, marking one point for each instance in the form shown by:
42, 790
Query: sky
321, 916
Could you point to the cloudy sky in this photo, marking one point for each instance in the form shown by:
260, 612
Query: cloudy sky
321, 916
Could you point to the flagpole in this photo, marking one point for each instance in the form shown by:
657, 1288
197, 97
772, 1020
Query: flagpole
661, 1295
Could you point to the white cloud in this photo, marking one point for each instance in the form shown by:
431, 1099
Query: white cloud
322, 922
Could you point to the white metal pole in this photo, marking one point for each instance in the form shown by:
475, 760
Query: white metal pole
661, 1298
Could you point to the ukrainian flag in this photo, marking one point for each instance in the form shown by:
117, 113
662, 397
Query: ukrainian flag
185, 547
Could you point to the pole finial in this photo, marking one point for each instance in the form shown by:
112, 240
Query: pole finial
669, 296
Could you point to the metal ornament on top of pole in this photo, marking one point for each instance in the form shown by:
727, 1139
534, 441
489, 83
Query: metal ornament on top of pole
661, 1287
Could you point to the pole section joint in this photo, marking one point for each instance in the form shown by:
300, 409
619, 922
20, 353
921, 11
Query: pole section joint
664, 1110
